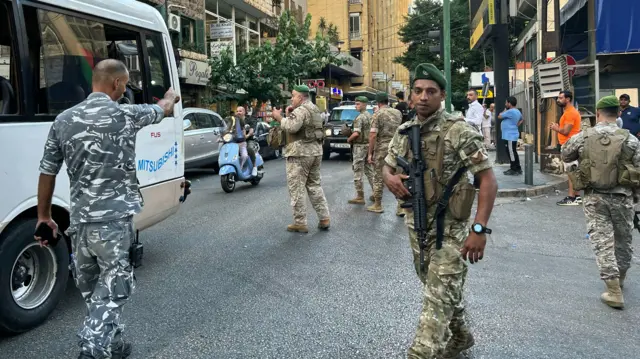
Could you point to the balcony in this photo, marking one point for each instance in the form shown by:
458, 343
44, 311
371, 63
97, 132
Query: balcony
352, 2
353, 70
355, 6
355, 35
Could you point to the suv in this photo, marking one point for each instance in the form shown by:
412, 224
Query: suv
335, 141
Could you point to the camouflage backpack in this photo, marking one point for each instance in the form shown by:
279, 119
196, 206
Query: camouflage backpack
599, 163
275, 137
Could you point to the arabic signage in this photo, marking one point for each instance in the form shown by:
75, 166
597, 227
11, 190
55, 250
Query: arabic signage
218, 46
221, 30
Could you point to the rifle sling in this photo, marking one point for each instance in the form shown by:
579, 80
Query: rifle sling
443, 203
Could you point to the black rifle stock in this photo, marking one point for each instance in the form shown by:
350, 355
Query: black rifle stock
415, 185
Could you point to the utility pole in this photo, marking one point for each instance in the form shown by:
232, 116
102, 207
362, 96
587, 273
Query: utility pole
446, 27
501, 75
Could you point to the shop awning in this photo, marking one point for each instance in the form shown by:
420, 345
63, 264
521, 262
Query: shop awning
617, 26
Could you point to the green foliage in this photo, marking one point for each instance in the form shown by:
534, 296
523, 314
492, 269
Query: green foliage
262, 69
428, 16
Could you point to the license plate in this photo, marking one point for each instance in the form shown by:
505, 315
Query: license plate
340, 145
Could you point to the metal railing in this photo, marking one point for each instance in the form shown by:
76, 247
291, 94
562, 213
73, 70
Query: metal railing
355, 35
351, 2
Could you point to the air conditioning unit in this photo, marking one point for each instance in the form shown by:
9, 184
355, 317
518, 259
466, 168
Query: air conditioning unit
174, 22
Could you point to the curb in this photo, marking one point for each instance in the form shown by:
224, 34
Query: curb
550, 187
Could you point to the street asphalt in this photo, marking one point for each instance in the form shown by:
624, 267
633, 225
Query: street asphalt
223, 279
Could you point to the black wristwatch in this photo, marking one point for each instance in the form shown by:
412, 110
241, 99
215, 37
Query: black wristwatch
480, 229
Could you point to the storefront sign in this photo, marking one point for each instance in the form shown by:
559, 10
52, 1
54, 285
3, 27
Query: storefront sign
218, 46
222, 30
195, 72
316, 83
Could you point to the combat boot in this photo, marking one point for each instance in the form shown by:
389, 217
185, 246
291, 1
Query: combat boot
122, 352
376, 207
359, 198
372, 199
300, 228
399, 211
623, 275
613, 296
458, 343
324, 224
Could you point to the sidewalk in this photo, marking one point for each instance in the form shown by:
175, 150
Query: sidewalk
514, 186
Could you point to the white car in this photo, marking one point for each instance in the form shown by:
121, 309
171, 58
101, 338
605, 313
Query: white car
202, 129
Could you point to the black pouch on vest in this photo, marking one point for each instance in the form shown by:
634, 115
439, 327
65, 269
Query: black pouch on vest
135, 253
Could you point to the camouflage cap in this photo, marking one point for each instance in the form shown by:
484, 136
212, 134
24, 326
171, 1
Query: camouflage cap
427, 71
382, 96
362, 99
301, 88
607, 102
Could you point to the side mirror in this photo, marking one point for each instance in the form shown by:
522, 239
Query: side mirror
247, 127
186, 124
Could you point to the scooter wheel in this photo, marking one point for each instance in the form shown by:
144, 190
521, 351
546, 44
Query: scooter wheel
228, 183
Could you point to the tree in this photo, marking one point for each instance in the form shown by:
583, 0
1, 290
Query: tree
428, 17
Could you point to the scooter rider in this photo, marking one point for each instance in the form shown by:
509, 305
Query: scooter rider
236, 128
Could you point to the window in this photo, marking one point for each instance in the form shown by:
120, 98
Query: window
191, 117
354, 26
187, 30
157, 67
204, 120
357, 53
9, 91
217, 121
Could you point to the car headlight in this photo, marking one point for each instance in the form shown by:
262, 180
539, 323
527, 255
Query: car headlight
327, 132
227, 138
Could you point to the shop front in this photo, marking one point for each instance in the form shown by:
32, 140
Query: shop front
194, 76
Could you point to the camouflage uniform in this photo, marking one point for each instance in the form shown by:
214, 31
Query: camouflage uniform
96, 140
362, 125
609, 213
442, 324
384, 123
303, 167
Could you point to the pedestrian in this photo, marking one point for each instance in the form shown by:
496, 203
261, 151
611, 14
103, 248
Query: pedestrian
304, 131
570, 125
630, 115
402, 106
359, 138
486, 125
608, 171
474, 114
457, 148
96, 140
511, 120
384, 124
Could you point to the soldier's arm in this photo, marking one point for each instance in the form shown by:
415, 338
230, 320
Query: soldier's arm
373, 133
397, 147
145, 115
357, 129
570, 151
293, 123
50, 165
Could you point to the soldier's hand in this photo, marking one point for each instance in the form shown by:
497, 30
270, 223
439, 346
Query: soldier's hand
276, 114
172, 95
370, 159
395, 185
473, 248
52, 224
289, 110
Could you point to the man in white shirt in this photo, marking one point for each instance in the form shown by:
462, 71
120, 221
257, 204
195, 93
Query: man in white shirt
475, 113
486, 125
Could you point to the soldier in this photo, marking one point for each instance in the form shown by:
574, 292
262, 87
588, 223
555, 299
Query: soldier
383, 125
457, 148
304, 135
96, 140
609, 162
360, 141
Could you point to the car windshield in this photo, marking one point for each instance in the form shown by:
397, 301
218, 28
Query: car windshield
345, 115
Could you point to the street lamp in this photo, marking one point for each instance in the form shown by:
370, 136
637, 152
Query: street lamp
338, 44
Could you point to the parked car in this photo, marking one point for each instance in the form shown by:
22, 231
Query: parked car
334, 140
202, 129
261, 131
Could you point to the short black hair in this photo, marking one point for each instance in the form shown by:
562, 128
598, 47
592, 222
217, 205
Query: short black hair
610, 111
625, 96
567, 94
512, 100
400, 95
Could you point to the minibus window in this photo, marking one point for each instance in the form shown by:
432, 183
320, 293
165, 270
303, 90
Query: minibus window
9, 91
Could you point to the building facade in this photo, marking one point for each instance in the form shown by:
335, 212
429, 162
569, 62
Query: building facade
368, 30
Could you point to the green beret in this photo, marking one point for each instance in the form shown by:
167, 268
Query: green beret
362, 99
426, 71
382, 96
301, 88
608, 101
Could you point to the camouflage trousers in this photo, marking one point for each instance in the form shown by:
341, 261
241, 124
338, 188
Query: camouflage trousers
610, 224
378, 160
361, 167
105, 279
443, 312
303, 177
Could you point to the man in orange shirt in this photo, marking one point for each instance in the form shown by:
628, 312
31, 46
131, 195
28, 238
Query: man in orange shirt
570, 124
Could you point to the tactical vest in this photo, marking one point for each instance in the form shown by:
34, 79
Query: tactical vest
312, 128
602, 163
365, 128
462, 192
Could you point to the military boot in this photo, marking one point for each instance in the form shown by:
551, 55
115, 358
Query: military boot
372, 199
399, 211
121, 352
376, 207
300, 228
623, 275
458, 343
324, 224
359, 198
613, 296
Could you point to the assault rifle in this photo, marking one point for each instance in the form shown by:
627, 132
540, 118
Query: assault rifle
415, 185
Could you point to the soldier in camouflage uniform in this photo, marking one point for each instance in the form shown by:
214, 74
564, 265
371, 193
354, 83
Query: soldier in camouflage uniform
384, 124
360, 140
454, 146
609, 208
304, 134
96, 140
